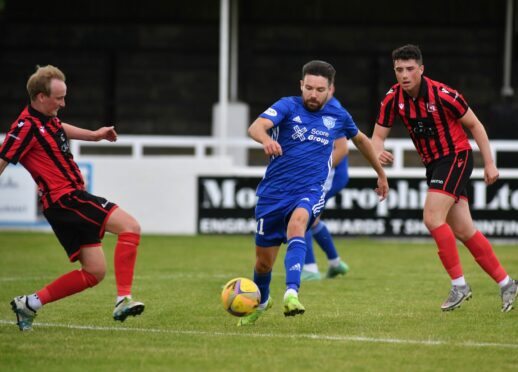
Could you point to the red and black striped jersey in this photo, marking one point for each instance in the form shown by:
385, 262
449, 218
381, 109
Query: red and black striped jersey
432, 119
40, 144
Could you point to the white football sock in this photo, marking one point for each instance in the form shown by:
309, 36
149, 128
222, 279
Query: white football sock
312, 268
120, 298
459, 281
34, 302
291, 291
263, 305
335, 262
504, 282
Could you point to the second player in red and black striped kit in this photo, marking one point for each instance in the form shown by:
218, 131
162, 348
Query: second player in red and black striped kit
435, 116
38, 140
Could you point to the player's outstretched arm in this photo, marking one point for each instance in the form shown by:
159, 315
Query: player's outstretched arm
364, 145
379, 136
3, 165
259, 133
104, 133
470, 121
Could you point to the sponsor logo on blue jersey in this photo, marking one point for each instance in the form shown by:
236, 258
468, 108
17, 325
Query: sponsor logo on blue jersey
319, 136
299, 133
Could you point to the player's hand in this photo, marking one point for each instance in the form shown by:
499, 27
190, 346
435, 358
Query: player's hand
386, 158
106, 133
491, 174
383, 188
272, 147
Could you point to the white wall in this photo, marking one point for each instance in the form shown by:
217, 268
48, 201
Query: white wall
161, 193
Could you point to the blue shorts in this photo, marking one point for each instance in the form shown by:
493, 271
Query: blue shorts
272, 216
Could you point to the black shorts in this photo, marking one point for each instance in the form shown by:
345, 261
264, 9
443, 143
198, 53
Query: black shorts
450, 174
78, 220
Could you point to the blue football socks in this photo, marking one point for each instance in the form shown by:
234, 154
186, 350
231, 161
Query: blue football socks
310, 255
324, 240
263, 282
293, 261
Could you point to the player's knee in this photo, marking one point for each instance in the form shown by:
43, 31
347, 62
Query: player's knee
431, 222
94, 273
132, 226
99, 276
297, 227
463, 233
263, 265
94, 276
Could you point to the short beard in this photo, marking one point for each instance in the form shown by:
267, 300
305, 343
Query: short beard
312, 109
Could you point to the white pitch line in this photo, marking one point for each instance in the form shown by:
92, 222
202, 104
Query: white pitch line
465, 344
177, 275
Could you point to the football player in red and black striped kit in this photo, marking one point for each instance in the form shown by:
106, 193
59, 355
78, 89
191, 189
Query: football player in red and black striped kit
39, 141
435, 116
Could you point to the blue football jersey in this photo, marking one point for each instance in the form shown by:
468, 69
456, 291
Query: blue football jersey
307, 140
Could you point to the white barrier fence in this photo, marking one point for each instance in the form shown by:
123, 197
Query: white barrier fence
161, 191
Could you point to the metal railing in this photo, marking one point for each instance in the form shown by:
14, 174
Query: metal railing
204, 146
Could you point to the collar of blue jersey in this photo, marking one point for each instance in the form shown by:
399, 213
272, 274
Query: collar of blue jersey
334, 102
423, 89
42, 117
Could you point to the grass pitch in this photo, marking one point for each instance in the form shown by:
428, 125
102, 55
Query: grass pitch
384, 315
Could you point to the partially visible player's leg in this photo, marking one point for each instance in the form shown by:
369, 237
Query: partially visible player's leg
461, 222
128, 230
75, 219
294, 260
437, 206
270, 234
310, 268
91, 273
265, 258
325, 240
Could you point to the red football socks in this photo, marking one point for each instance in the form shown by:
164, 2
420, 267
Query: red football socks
447, 250
481, 249
124, 261
67, 285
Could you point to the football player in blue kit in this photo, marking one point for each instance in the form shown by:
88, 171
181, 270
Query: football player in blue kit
298, 134
337, 180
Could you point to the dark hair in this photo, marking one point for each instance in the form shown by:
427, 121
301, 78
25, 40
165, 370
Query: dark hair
407, 52
319, 68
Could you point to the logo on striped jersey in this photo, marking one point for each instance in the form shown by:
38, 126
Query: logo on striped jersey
430, 107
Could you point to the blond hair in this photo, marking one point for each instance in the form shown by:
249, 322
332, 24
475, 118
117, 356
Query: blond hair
39, 82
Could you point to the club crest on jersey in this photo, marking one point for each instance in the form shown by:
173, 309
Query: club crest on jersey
430, 107
329, 121
42, 130
271, 112
20, 123
299, 133
401, 106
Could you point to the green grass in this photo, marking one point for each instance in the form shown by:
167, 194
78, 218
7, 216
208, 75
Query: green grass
384, 315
